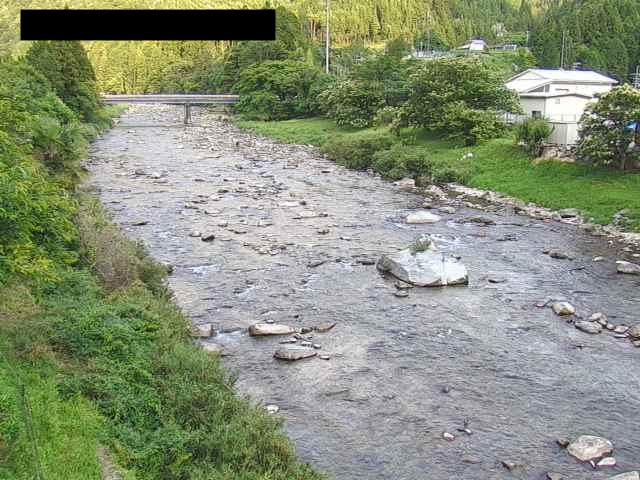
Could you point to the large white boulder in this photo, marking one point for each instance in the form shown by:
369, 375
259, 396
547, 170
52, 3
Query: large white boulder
421, 265
589, 447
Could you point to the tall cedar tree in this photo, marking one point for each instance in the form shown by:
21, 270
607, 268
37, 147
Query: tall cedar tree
67, 67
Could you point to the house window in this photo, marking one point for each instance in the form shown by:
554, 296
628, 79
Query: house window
536, 114
558, 101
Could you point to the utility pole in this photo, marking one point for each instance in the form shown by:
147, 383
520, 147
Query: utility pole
327, 39
562, 52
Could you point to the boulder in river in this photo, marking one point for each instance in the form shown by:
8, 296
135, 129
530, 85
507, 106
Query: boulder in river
479, 219
588, 327
589, 447
634, 332
421, 265
263, 329
563, 308
203, 330
599, 317
559, 254
294, 352
422, 217
325, 327
628, 267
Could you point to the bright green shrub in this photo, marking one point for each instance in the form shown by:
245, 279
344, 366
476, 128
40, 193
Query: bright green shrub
36, 227
532, 133
472, 126
277, 90
352, 104
607, 136
459, 99
356, 153
401, 161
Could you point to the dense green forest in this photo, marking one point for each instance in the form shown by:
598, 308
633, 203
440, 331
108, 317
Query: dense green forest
599, 34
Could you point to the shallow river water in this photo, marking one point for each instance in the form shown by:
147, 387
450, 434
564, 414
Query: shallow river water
517, 374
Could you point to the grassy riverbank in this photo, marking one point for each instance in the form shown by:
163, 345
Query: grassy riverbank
101, 356
94, 354
495, 165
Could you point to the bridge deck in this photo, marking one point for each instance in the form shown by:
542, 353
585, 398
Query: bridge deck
172, 99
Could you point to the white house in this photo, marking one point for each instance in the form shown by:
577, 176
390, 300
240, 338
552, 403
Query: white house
476, 45
560, 96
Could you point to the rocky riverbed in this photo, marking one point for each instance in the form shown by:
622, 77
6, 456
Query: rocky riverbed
475, 381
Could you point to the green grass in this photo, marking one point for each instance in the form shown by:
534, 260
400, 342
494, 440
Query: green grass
496, 165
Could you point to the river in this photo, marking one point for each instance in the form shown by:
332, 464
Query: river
402, 370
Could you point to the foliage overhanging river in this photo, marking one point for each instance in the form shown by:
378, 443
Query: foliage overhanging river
519, 376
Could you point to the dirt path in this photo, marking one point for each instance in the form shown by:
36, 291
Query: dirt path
402, 370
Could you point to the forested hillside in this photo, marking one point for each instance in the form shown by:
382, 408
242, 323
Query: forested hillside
599, 34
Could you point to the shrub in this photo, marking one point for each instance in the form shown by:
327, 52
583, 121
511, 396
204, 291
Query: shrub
401, 161
60, 147
532, 133
36, 227
277, 90
607, 133
352, 104
458, 98
469, 125
393, 117
356, 153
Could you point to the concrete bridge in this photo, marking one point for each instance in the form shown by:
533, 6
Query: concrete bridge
174, 99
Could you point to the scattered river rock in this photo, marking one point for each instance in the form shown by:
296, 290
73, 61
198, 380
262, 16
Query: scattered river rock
294, 352
563, 308
634, 332
628, 267
588, 327
264, 329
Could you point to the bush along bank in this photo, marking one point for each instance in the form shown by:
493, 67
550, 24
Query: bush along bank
94, 356
603, 196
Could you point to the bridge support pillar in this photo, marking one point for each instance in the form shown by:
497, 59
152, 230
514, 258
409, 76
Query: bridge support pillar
187, 113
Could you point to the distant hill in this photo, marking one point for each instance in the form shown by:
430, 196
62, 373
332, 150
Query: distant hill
599, 34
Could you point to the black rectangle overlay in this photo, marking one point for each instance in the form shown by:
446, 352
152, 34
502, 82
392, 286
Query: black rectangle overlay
220, 24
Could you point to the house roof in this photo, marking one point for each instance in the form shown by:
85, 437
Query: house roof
537, 77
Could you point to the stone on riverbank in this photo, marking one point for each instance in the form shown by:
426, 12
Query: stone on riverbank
264, 329
420, 265
589, 447
294, 352
628, 267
